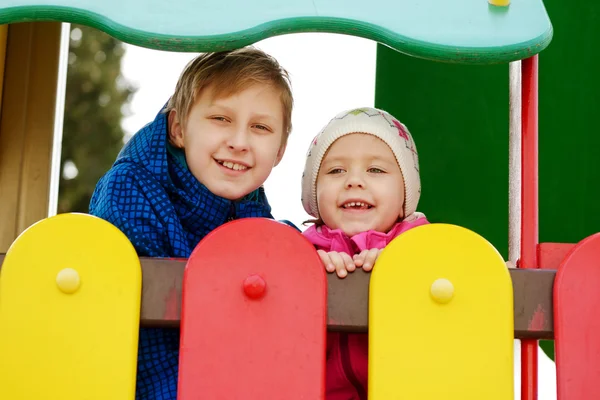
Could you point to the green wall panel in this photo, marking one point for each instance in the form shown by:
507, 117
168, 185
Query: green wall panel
458, 115
459, 118
569, 133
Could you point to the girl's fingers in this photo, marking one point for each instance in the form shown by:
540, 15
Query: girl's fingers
349, 262
359, 259
370, 259
326, 260
340, 266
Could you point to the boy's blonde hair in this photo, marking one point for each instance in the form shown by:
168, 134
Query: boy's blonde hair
230, 72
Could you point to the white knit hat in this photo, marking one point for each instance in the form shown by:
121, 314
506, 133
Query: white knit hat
374, 122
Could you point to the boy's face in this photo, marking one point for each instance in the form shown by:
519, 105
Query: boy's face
360, 185
232, 143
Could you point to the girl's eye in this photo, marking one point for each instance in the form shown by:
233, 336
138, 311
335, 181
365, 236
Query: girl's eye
376, 170
336, 171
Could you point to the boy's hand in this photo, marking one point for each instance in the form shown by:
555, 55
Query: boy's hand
366, 258
337, 262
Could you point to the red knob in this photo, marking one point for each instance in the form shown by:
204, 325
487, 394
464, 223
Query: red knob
255, 286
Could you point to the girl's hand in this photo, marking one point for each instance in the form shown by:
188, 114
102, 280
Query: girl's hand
337, 262
366, 259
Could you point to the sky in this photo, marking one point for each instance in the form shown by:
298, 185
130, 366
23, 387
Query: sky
329, 73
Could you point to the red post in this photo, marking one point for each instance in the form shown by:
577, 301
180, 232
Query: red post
529, 207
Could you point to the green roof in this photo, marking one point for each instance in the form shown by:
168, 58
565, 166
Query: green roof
462, 31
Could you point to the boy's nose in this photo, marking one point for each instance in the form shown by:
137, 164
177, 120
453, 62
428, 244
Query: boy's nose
238, 141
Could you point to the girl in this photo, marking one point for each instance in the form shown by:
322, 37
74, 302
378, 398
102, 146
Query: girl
361, 183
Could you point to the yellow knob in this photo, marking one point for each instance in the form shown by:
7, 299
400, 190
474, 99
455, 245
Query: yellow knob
68, 280
442, 290
499, 3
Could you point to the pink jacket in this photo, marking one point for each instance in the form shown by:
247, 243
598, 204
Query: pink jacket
347, 353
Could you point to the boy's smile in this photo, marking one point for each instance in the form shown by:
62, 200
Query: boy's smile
232, 165
360, 185
232, 143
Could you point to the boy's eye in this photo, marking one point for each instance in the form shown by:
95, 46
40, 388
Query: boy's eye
376, 170
263, 128
219, 118
336, 171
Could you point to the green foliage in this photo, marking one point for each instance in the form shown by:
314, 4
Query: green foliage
95, 96
548, 347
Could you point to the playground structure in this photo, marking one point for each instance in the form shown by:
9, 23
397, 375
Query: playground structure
552, 293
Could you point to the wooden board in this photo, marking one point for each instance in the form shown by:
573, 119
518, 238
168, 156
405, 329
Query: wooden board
69, 312
453, 348
577, 322
31, 100
161, 299
253, 315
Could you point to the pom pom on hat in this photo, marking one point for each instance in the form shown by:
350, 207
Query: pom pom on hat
370, 121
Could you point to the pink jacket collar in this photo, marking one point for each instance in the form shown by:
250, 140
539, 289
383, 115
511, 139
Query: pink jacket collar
335, 240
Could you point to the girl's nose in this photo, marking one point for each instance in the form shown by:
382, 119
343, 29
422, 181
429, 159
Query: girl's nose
355, 180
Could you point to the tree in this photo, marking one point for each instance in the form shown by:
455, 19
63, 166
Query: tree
96, 94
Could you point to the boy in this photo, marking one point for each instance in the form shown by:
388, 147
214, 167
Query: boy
199, 164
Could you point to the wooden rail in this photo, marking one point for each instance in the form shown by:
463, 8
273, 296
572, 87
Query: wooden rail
347, 298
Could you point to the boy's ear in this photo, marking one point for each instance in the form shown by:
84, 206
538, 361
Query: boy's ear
175, 130
280, 154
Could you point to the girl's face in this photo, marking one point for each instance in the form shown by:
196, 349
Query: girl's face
360, 185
